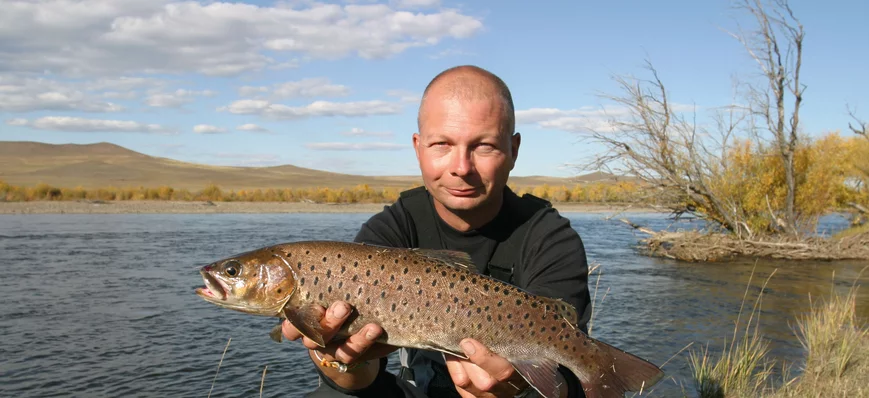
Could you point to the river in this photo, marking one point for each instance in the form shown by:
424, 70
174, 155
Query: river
103, 305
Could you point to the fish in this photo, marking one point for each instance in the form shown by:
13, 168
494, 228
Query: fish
427, 299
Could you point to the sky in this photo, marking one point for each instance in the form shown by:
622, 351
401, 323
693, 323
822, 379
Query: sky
336, 85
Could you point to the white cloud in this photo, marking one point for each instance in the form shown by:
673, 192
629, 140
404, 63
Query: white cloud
305, 88
415, 3
350, 146
94, 37
77, 124
252, 91
252, 128
314, 109
177, 98
358, 132
31, 94
405, 96
582, 120
208, 129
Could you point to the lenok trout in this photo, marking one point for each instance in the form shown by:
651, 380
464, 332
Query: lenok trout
425, 299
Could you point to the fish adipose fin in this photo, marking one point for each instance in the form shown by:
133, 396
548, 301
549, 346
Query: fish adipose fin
451, 257
540, 374
622, 372
307, 320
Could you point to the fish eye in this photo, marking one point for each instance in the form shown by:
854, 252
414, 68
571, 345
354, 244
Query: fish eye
232, 268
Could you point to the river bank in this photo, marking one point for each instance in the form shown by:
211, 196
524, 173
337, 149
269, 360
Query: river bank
199, 207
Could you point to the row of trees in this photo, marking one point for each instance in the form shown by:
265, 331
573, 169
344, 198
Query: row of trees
751, 170
599, 192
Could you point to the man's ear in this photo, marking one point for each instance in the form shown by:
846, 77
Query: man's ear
515, 140
416, 143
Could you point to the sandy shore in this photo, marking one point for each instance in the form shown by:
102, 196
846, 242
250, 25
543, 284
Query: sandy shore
179, 207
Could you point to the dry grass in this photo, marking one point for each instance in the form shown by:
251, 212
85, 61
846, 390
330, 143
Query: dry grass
836, 365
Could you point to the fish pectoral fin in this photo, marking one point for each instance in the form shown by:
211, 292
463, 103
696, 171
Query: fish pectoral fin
540, 374
451, 257
277, 333
307, 320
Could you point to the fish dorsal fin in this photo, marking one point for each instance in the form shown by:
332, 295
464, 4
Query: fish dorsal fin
307, 320
564, 309
540, 374
451, 257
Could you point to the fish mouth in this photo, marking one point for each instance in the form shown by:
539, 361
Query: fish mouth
213, 290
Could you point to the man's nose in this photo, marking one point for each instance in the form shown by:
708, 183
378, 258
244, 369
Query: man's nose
462, 163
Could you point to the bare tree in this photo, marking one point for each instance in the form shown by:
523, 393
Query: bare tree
780, 60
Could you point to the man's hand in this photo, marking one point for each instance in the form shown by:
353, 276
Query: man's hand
359, 347
484, 373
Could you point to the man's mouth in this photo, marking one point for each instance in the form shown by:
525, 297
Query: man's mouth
462, 191
213, 289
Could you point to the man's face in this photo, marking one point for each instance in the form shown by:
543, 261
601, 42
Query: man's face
464, 158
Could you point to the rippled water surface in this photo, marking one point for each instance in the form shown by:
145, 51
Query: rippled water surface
103, 305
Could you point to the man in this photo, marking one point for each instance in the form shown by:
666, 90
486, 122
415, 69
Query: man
466, 148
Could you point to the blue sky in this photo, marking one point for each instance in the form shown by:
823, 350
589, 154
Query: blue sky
335, 86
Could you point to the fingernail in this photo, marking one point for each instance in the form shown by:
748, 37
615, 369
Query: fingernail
370, 333
339, 310
469, 347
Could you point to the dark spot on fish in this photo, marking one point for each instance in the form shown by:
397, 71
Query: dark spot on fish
534, 304
497, 288
469, 313
486, 308
417, 281
368, 300
312, 268
474, 281
527, 315
530, 324
411, 316
419, 292
415, 262
479, 326
354, 278
489, 318
368, 272
462, 278
316, 280
547, 307
347, 297
479, 310
565, 347
289, 254
396, 261
329, 289
464, 330
452, 285
448, 309
471, 302
400, 287
307, 295
299, 265
552, 328
427, 270
369, 257
383, 294
382, 267
376, 282
510, 326
439, 295
452, 324
532, 333
321, 296
499, 317
436, 319
355, 264
467, 289
324, 259
543, 329
500, 303
506, 292
405, 270
279, 290
509, 316
556, 317
339, 255
563, 325
486, 287
428, 304
434, 282
455, 299
574, 348
307, 252
358, 292
340, 284
393, 307
454, 274
343, 268
328, 273
302, 282
585, 342
392, 278
443, 273
518, 302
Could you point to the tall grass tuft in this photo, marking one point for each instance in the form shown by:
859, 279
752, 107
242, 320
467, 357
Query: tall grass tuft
742, 368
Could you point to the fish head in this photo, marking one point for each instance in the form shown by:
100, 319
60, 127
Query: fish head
258, 282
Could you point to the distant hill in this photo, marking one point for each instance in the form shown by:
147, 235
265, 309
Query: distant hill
103, 165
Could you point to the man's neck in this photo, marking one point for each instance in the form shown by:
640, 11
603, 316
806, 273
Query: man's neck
464, 221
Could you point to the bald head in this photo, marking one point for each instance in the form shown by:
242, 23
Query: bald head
471, 83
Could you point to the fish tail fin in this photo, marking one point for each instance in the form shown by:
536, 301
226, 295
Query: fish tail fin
617, 371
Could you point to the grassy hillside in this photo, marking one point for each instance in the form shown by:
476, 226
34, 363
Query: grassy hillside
101, 165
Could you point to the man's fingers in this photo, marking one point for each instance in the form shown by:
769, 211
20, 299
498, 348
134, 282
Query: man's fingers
456, 367
357, 344
493, 365
289, 331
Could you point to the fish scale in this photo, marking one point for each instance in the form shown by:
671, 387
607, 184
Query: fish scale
425, 299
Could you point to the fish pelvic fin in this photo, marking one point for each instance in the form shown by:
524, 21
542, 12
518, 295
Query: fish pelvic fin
276, 333
453, 258
617, 371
